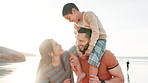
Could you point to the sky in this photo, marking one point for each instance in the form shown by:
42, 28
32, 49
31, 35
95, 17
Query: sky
24, 24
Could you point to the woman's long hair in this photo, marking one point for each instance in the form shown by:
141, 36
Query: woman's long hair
44, 49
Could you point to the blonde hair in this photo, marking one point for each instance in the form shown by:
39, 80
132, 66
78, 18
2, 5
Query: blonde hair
44, 49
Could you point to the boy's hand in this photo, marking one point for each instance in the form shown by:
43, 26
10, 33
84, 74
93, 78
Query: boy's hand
87, 52
82, 56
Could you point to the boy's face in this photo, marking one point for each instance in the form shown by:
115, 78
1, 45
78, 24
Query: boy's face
72, 17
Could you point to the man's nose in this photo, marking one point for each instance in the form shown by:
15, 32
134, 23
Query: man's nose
79, 44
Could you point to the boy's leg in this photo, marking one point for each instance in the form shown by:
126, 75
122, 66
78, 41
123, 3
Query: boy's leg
97, 52
95, 56
78, 67
93, 70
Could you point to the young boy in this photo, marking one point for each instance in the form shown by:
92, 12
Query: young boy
88, 20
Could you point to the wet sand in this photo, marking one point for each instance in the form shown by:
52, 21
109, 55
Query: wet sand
25, 71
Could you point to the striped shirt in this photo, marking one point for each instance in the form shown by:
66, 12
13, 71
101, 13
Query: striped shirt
56, 74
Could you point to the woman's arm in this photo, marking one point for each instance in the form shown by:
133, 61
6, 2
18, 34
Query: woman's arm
73, 63
66, 81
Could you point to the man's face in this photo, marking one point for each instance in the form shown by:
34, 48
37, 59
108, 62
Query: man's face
82, 41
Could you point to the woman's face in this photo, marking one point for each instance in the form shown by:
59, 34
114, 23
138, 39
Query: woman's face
57, 48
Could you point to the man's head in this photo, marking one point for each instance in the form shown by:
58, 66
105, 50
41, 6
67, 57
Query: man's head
70, 12
83, 39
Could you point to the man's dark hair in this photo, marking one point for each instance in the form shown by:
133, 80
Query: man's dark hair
67, 9
88, 35
87, 31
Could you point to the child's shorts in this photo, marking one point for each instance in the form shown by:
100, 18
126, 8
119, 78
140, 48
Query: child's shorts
97, 52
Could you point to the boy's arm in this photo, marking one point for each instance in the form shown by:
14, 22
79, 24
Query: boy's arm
76, 28
94, 24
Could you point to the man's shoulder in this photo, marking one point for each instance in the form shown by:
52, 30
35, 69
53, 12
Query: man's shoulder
108, 52
109, 59
73, 50
108, 55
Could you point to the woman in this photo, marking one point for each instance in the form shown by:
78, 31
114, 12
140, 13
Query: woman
54, 66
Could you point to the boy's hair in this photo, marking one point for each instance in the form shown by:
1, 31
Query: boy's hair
67, 9
86, 31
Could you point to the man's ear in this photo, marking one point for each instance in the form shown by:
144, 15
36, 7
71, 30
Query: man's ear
73, 10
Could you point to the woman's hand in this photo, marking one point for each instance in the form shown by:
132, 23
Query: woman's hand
66, 81
72, 63
94, 79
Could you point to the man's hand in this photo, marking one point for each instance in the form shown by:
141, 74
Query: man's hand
66, 81
94, 79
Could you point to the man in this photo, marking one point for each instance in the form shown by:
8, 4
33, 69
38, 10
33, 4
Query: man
127, 63
109, 70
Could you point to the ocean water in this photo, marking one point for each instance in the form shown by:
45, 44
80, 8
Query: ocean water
24, 72
137, 72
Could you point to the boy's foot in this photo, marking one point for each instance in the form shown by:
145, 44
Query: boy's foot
81, 77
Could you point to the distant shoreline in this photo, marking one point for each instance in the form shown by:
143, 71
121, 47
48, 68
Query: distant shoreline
132, 57
27, 54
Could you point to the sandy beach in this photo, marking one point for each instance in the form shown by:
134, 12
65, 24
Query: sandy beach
25, 71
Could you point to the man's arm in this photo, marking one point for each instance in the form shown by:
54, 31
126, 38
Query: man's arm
115, 72
113, 68
118, 75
